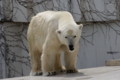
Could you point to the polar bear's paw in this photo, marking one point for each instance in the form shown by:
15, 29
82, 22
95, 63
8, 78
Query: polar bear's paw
49, 73
35, 73
63, 69
72, 71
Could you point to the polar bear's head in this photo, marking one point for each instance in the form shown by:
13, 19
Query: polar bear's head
70, 36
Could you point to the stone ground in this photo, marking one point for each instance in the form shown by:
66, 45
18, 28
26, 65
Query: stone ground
97, 73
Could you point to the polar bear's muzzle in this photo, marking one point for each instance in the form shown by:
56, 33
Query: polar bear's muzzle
70, 43
71, 47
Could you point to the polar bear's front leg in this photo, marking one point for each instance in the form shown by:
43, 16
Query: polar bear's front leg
70, 61
58, 64
48, 60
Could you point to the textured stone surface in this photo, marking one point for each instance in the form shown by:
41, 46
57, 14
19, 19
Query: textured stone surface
99, 73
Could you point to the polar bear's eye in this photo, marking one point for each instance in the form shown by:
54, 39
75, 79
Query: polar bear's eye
74, 36
65, 37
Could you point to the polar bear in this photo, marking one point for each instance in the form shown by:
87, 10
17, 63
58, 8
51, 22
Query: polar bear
50, 33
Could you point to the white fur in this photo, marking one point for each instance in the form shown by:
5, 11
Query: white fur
44, 39
32, 73
45, 74
35, 73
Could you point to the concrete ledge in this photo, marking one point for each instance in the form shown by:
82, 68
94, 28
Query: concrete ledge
98, 73
112, 63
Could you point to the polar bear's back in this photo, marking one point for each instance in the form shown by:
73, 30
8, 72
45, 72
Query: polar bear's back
38, 29
54, 15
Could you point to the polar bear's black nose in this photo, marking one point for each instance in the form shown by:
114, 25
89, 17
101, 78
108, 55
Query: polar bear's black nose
71, 47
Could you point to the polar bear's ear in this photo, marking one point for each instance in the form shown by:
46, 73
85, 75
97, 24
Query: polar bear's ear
80, 26
58, 31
